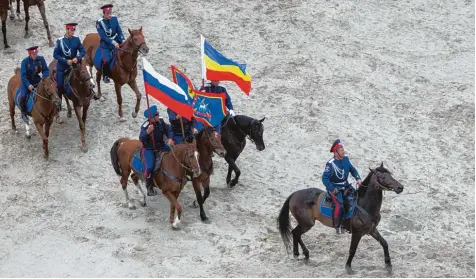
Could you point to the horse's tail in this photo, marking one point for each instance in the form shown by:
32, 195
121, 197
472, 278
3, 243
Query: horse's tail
114, 157
284, 225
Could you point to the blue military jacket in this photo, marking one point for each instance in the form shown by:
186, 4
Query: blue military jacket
160, 129
219, 89
109, 31
30, 70
66, 49
336, 173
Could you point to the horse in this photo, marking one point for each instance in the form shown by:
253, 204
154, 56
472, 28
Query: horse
124, 70
43, 104
169, 174
234, 131
207, 143
305, 205
26, 7
81, 91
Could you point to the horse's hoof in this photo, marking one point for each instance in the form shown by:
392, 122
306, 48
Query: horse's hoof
176, 224
12, 17
6, 46
349, 270
306, 255
143, 204
28, 137
27, 36
51, 44
296, 256
389, 269
101, 99
84, 148
194, 204
122, 119
205, 219
69, 114
132, 207
232, 183
134, 114
45, 156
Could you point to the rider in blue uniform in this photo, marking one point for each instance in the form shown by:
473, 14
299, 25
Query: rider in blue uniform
30, 69
189, 127
215, 88
335, 179
68, 51
152, 137
111, 38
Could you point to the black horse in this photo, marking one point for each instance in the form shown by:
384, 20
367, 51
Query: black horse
305, 207
234, 131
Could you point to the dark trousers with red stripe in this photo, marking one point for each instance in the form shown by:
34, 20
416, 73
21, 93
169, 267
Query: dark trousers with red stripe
338, 211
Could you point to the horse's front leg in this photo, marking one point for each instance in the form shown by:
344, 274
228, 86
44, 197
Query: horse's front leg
39, 128
231, 163
4, 31
84, 146
388, 265
41, 7
26, 5
98, 82
198, 193
68, 106
19, 11
133, 85
118, 88
353, 248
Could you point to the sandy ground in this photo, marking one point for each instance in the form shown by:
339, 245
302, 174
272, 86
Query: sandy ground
393, 79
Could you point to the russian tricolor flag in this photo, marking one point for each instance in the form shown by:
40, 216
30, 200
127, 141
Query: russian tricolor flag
166, 92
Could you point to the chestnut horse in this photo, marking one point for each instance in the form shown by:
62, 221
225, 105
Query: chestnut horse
26, 6
170, 176
44, 107
125, 67
81, 93
305, 206
208, 141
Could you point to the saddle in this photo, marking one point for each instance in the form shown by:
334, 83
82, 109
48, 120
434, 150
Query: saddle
327, 205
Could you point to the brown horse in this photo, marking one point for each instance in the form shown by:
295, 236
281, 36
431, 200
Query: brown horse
170, 178
81, 93
207, 143
26, 6
305, 207
125, 68
44, 108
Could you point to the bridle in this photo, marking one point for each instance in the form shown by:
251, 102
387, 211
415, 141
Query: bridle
187, 158
134, 49
48, 98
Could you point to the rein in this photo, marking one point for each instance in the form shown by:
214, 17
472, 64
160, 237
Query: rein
81, 82
134, 49
239, 129
183, 166
35, 93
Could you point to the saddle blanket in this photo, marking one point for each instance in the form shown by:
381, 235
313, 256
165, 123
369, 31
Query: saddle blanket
327, 205
29, 103
104, 56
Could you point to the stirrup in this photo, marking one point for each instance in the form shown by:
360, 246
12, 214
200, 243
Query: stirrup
106, 79
24, 116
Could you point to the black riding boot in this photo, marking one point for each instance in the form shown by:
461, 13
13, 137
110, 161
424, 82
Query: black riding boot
61, 92
24, 114
150, 186
105, 73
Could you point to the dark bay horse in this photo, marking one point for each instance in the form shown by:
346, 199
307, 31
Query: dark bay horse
234, 132
305, 207
125, 67
81, 93
26, 6
44, 107
208, 141
174, 163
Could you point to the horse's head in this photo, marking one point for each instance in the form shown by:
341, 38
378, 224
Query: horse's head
256, 133
212, 139
81, 73
137, 40
188, 154
384, 180
48, 89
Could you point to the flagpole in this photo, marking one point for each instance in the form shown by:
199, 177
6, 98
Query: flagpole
148, 112
202, 54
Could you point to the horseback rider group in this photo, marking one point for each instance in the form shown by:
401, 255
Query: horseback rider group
156, 135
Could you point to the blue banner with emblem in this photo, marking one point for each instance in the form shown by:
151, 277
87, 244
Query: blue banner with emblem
208, 108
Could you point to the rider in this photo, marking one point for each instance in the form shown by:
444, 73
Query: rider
152, 137
335, 179
30, 68
215, 88
111, 36
68, 51
189, 127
